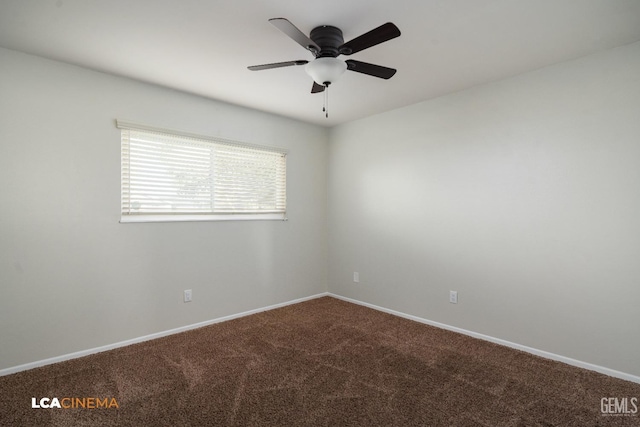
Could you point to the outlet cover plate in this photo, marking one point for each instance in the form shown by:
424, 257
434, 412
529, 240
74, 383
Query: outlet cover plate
453, 297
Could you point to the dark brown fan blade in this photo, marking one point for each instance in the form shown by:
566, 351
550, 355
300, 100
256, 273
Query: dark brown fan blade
316, 88
277, 65
298, 36
370, 69
376, 36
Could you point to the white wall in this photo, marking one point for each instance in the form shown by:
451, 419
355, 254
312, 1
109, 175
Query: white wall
523, 195
71, 277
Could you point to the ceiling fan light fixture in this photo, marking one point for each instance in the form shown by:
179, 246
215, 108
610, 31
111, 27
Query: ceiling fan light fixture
325, 71
326, 43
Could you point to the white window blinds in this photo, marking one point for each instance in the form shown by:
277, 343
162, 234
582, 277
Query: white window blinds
170, 176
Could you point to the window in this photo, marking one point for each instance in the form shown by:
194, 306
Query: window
171, 176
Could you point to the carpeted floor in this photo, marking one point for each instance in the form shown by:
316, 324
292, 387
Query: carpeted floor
323, 362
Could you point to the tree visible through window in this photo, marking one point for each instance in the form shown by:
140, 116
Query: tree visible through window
168, 176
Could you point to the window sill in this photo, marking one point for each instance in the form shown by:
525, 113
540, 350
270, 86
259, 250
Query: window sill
126, 219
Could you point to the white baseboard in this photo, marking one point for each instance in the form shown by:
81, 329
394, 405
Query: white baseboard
37, 364
531, 350
535, 351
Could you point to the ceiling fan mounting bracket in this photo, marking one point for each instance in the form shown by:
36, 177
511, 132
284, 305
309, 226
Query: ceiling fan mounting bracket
329, 39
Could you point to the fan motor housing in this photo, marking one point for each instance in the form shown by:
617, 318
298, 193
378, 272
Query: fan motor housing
329, 39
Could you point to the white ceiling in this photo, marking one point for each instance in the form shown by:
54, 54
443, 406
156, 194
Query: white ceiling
205, 46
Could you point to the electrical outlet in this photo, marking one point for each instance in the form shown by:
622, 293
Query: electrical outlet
453, 297
356, 277
187, 295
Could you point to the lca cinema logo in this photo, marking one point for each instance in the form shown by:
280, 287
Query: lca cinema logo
619, 407
74, 403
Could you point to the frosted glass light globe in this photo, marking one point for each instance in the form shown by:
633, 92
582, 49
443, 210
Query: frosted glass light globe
325, 70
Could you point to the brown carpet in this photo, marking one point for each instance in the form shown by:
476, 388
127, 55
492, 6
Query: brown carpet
323, 362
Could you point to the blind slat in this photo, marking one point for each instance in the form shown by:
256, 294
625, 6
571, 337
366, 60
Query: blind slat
172, 174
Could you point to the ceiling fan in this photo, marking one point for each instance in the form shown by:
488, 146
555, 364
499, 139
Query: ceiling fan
326, 44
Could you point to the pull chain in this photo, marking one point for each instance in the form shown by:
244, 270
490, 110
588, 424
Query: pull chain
325, 107
326, 101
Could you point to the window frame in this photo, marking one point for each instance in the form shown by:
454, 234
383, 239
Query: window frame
189, 216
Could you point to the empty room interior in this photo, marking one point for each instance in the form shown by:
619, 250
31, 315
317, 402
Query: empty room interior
454, 237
